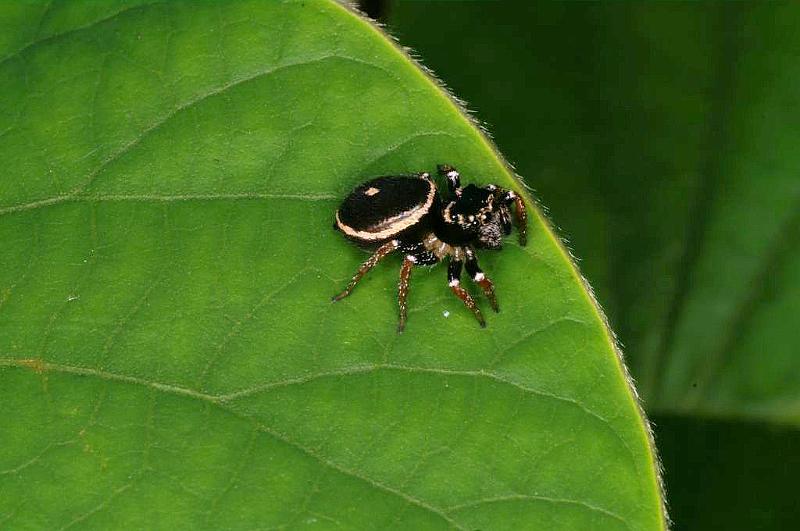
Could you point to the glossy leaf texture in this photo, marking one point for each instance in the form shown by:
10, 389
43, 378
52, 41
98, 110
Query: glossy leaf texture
169, 354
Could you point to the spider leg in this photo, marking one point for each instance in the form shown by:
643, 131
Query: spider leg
453, 178
505, 220
520, 215
477, 275
382, 252
402, 291
454, 275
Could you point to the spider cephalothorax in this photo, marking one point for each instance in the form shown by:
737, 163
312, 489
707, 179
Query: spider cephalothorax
407, 213
480, 216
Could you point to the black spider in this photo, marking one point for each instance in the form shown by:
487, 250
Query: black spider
406, 213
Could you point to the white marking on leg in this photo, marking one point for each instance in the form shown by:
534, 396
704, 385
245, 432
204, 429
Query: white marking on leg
411, 258
479, 276
453, 283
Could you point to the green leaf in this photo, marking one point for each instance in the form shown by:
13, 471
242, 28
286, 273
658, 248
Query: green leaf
169, 355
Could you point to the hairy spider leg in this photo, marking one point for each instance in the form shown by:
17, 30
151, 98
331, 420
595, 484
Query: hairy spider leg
382, 252
505, 219
520, 216
477, 275
402, 290
453, 276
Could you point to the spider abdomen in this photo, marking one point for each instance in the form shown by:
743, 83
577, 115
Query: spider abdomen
385, 208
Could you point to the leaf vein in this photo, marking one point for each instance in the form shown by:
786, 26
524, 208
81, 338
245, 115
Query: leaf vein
339, 468
365, 369
221, 402
155, 198
532, 497
40, 41
157, 124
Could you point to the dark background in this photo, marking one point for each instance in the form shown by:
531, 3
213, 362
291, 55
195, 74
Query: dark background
630, 120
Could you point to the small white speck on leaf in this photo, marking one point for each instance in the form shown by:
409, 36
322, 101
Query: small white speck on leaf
71, 298
446, 314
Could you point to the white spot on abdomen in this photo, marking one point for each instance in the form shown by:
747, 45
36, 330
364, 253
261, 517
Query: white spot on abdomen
371, 191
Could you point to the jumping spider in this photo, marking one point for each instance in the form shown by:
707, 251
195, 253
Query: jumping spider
406, 213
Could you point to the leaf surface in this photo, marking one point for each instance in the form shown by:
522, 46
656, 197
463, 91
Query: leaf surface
168, 350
